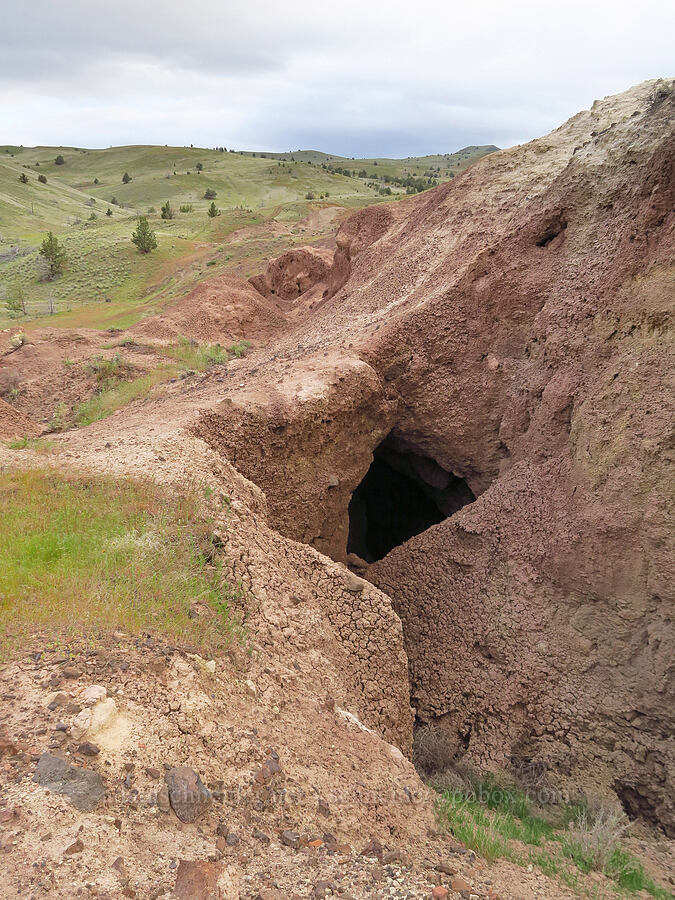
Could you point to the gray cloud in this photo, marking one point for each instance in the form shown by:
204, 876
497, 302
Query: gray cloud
357, 79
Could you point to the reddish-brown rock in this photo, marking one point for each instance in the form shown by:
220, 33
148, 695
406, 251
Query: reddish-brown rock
204, 880
513, 327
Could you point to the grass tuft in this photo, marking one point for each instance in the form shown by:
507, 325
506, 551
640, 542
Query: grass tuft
201, 357
117, 394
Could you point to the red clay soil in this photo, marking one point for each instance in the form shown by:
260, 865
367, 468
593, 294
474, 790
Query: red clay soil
513, 326
14, 424
293, 273
222, 309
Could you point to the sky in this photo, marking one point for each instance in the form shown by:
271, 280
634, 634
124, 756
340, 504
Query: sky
363, 78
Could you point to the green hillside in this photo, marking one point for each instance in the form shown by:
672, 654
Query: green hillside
85, 202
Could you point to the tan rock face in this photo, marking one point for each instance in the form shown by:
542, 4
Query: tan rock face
512, 326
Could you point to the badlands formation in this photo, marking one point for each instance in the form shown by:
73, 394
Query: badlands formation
449, 461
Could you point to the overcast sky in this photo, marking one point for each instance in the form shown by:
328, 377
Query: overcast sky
356, 78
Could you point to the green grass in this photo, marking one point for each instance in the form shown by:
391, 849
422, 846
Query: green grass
95, 554
496, 819
39, 445
116, 385
201, 357
118, 394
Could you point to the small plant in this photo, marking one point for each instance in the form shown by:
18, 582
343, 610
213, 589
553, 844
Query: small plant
96, 181
93, 217
199, 167
59, 418
167, 212
213, 211
186, 208
310, 195
126, 178
108, 371
108, 212
59, 161
53, 254
10, 384
42, 179
210, 194
23, 178
143, 237
16, 301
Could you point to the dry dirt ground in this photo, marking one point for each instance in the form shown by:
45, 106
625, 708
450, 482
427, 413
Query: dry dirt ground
304, 740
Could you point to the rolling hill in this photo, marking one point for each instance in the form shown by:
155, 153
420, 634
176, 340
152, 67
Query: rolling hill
268, 202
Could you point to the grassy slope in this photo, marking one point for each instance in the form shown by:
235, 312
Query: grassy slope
104, 266
95, 554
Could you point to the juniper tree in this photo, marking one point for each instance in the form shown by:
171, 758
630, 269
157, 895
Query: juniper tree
143, 237
54, 255
213, 211
126, 178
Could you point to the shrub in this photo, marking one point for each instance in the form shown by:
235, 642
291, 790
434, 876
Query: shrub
126, 178
210, 194
186, 208
108, 212
54, 255
143, 237
23, 178
42, 179
594, 837
59, 161
431, 750
16, 301
167, 212
213, 211
18, 340
199, 167
95, 180
310, 195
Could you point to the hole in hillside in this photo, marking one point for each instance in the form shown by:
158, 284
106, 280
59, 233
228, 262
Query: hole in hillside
552, 232
402, 494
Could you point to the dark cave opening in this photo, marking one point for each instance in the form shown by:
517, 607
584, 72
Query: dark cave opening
402, 494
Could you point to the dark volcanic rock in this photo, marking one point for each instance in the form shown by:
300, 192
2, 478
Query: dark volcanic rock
85, 789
